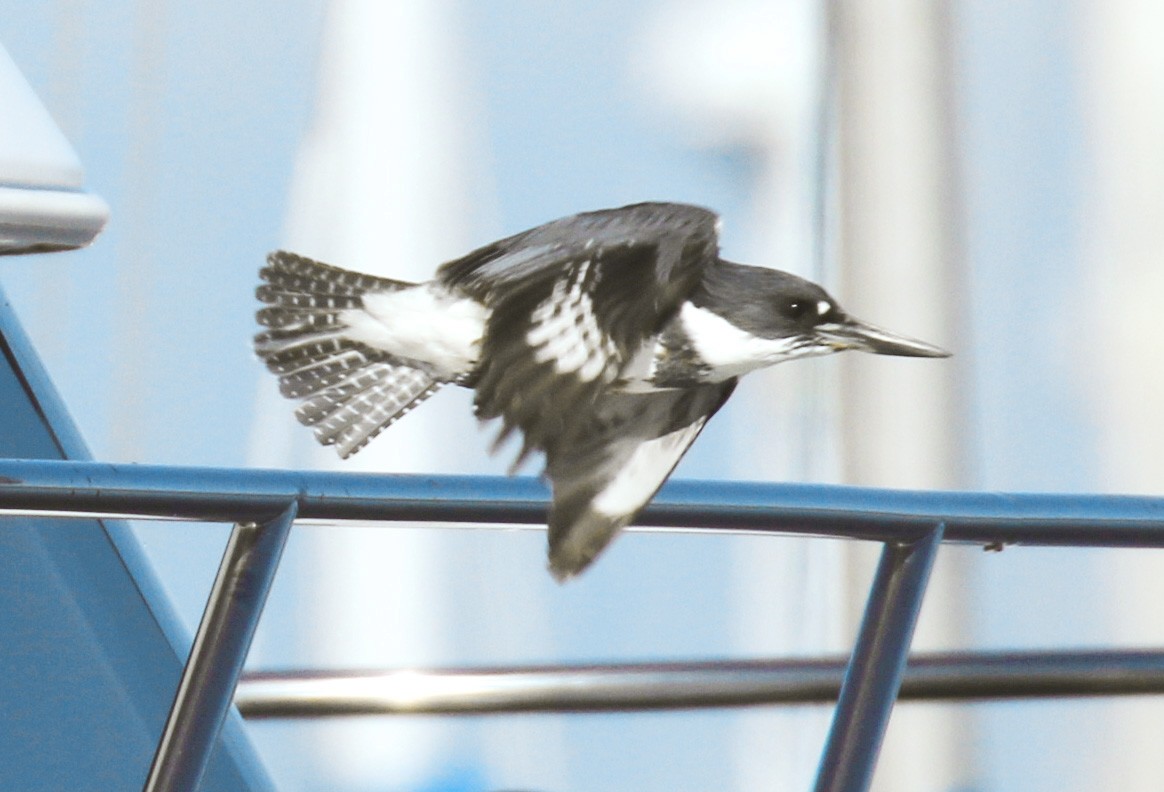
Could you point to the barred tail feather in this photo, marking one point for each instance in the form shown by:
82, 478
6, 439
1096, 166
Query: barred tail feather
350, 392
350, 414
305, 295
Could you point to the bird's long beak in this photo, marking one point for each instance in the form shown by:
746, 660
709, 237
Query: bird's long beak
852, 334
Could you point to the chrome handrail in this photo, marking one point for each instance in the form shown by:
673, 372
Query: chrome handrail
909, 524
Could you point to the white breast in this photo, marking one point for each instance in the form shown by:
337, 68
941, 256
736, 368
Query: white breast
728, 350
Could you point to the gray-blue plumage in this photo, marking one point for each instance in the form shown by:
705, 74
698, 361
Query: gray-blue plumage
606, 339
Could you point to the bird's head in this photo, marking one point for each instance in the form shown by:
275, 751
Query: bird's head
819, 323
790, 317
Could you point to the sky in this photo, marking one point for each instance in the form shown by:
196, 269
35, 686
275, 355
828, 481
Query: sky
199, 123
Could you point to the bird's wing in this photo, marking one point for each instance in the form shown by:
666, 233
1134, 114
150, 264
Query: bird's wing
571, 303
603, 480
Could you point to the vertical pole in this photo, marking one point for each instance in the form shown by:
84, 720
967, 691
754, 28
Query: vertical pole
219, 651
873, 677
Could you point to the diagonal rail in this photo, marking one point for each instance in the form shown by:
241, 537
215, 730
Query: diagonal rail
220, 648
904, 521
873, 676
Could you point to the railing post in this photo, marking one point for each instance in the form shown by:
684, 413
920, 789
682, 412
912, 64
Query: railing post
873, 677
219, 651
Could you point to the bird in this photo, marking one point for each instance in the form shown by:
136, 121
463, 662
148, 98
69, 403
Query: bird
606, 339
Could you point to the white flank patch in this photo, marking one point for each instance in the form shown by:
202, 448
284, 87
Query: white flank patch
644, 472
425, 323
564, 331
730, 351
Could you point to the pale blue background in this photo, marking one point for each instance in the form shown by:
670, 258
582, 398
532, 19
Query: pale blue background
146, 333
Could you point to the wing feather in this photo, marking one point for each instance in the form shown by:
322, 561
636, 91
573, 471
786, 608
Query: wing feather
601, 482
571, 303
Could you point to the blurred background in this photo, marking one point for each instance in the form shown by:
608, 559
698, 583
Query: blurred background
986, 175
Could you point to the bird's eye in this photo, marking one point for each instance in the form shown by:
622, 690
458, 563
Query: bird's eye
795, 309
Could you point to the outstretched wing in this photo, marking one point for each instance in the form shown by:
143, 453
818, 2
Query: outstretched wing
571, 303
604, 479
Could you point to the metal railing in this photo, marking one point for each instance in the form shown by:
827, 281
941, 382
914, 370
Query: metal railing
690, 685
264, 504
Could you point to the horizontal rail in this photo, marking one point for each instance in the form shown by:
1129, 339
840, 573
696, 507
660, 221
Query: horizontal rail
232, 495
696, 685
897, 518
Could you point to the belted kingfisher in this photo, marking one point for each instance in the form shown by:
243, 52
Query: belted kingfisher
608, 339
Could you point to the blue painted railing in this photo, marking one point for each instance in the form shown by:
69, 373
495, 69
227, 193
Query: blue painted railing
911, 525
